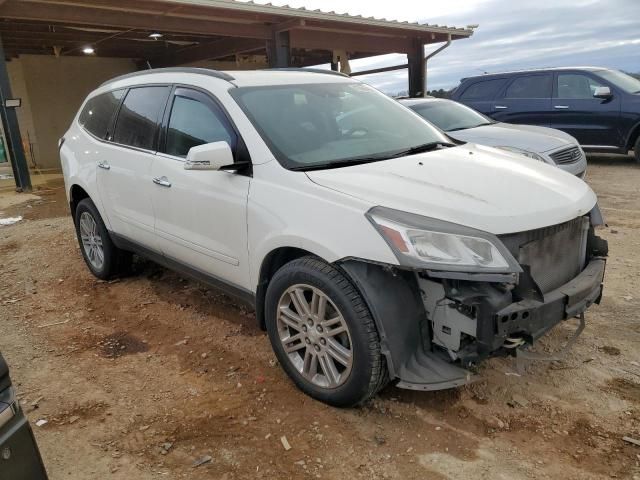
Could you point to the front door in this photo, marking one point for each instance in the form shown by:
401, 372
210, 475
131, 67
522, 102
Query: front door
124, 167
201, 215
592, 121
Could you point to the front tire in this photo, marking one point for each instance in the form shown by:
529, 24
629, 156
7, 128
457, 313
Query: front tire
636, 149
103, 258
323, 334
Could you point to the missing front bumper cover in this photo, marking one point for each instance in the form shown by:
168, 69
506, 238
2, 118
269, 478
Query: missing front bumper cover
524, 357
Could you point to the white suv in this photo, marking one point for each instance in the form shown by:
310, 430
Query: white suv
373, 247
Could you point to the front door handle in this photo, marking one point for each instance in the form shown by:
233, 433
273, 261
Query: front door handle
162, 181
501, 107
104, 165
561, 107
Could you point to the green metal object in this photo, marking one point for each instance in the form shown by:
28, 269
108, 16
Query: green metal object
3, 153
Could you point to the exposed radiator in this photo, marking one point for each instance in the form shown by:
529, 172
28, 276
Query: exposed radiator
554, 254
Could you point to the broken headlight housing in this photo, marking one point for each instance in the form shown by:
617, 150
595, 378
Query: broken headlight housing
423, 242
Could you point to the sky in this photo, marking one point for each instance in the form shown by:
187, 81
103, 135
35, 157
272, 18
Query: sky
513, 34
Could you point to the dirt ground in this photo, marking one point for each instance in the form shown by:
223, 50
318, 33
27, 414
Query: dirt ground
141, 377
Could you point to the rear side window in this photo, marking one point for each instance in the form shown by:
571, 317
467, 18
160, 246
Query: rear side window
98, 112
484, 90
137, 124
531, 86
196, 120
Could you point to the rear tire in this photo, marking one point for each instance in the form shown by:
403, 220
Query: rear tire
636, 149
103, 258
327, 341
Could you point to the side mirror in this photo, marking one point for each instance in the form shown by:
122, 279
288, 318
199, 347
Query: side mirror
602, 92
210, 156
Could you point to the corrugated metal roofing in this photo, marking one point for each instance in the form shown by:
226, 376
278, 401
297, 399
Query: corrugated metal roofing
302, 12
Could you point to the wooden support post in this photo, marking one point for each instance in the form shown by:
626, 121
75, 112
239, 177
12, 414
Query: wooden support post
417, 69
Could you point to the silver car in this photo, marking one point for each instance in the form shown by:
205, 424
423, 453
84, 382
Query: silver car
463, 123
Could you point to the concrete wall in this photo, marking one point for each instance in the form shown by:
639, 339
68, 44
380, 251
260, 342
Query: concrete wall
52, 89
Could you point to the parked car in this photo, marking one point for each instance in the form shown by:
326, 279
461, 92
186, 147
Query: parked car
372, 248
598, 106
465, 124
19, 455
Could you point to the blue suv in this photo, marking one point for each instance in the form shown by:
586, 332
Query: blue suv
597, 106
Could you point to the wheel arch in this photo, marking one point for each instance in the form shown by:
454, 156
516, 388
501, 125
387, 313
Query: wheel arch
633, 136
76, 195
271, 263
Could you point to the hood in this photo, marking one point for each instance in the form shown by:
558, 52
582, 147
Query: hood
471, 185
526, 137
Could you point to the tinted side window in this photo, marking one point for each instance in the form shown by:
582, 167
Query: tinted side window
574, 85
484, 90
98, 112
196, 120
138, 118
532, 86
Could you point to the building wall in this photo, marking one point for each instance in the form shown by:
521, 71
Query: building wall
52, 89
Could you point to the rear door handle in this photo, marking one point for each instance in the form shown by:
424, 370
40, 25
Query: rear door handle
561, 107
104, 165
501, 107
162, 181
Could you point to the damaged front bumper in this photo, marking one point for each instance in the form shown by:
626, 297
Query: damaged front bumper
432, 330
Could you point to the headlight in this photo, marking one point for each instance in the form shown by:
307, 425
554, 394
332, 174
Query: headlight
526, 153
425, 242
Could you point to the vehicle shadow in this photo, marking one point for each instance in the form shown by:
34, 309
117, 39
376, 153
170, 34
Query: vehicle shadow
612, 160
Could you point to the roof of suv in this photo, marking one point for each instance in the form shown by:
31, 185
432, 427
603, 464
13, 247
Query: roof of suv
245, 78
534, 70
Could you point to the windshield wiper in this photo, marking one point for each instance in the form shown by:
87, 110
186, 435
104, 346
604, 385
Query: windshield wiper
472, 126
425, 147
339, 163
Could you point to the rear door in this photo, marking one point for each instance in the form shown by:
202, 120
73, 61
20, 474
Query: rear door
201, 215
20, 455
526, 99
480, 94
124, 169
593, 121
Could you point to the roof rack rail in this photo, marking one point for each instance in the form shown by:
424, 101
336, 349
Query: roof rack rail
200, 71
312, 70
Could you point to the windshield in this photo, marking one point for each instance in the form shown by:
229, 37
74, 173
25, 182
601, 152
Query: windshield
621, 80
313, 125
449, 116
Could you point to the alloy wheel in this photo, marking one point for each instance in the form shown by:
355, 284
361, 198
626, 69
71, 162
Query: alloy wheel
91, 240
315, 336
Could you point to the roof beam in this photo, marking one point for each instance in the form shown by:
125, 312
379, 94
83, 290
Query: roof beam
208, 51
27, 10
344, 41
289, 25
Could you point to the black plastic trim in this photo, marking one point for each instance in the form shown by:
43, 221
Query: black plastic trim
394, 301
245, 296
200, 71
308, 70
